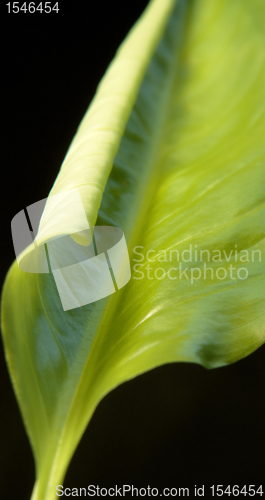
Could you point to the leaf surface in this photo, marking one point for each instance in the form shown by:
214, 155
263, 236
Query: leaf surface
171, 151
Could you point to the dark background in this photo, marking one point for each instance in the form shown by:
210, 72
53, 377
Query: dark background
178, 425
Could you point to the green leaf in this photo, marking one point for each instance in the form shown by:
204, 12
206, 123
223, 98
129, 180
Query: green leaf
171, 151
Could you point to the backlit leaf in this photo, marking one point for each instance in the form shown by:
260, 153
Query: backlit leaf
172, 152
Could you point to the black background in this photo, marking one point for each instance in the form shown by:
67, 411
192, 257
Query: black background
178, 425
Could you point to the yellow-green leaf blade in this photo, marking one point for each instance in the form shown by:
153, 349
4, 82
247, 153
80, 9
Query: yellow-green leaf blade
189, 171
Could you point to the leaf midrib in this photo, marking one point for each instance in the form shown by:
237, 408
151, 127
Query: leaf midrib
147, 188
145, 194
